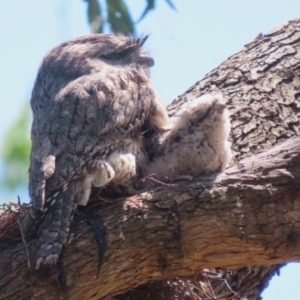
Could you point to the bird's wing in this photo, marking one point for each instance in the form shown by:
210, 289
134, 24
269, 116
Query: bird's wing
88, 118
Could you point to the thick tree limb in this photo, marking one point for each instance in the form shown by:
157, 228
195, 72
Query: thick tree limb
248, 215
261, 88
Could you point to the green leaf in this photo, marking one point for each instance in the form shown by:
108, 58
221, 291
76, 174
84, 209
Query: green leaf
171, 4
16, 151
94, 13
150, 5
119, 18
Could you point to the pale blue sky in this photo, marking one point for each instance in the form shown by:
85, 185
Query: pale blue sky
185, 44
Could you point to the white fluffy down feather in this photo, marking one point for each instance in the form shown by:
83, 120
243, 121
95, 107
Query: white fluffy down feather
197, 142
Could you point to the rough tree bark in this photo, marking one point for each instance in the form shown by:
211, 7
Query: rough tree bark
247, 216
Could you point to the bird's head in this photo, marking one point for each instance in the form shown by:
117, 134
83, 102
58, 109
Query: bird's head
90, 53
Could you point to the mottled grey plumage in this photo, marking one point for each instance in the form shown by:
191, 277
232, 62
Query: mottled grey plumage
91, 101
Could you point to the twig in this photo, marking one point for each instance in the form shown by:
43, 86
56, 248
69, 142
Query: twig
24, 242
147, 177
210, 275
160, 182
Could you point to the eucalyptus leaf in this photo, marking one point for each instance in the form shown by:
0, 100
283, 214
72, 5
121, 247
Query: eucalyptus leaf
95, 16
171, 4
119, 17
150, 5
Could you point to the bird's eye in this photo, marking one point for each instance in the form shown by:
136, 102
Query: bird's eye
117, 55
111, 56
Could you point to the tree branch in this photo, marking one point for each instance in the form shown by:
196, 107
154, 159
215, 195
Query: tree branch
247, 215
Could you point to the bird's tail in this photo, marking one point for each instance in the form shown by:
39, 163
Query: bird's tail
54, 226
